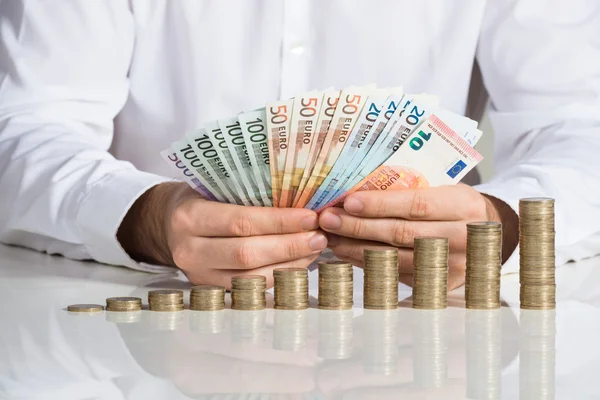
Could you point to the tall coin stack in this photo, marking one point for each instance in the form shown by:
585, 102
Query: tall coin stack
165, 300
536, 236
336, 285
207, 298
430, 273
381, 279
123, 304
248, 292
291, 288
484, 260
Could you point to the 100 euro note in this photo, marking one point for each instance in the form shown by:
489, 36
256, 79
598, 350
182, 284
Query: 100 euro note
305, 114
434, 155
185, 174
351, 103
254, 130
356, 138
278, 132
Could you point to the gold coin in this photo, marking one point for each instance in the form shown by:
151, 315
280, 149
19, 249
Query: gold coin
85, 308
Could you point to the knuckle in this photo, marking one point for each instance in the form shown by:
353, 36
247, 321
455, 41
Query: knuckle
242, 225
244, 256
419, 207
181, 255
403, 233
179, 219
359, 228
292, 250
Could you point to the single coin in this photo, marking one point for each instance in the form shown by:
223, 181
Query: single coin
85, 308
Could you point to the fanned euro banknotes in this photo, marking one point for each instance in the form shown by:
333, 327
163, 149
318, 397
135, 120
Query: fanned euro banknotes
315, 149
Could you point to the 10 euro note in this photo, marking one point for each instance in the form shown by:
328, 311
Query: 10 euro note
433, 155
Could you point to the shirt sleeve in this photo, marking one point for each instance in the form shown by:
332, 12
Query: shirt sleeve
63, 79
541, 65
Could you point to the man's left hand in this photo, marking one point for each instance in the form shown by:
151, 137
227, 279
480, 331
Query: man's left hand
397, 217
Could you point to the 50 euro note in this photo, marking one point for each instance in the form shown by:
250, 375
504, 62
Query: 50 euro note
234, 138
351, 103
205, 152
434, 155
305, 114
254, 130
278, 131
186, 175
330, 100
370, 113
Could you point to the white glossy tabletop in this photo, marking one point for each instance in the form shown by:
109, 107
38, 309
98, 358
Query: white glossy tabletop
49, 353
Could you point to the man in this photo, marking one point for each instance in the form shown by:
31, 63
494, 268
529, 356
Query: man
91, 91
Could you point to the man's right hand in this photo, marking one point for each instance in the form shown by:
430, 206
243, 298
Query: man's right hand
210, 242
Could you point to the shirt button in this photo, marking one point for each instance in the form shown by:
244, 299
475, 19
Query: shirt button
297, 49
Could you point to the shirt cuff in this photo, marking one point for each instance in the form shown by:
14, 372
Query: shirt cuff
102, 211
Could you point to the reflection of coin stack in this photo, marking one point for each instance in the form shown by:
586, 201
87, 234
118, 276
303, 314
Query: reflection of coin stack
207, 322
290, 330
336, 286
207, 298
430, 273
291, 288
380, 351
335, 334
127, 317
429, 348
165, 300
536, 238
484, 259
537, 354
381, 279
166, 321
247, 326
484, 355
248, 292
123, 304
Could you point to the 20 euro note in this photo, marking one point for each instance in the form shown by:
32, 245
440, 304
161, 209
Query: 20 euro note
278, 132
351, 103
254, 130
434, 155
185, 174
305, 114
234, 137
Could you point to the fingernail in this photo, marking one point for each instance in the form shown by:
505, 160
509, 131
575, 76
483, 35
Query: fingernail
329, 220
309, 223
318, 242
332, 239
353, 205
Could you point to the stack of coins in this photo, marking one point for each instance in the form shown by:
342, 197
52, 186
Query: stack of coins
484, 260
123, 304
207, 298
85, 308
291, 288
248, 292
165, 300
430, 273
381, 278
536, 235
336, 286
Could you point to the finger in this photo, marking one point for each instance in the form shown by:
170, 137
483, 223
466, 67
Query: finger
353, 249
441, 203
208, 218
395, 231
257, 251
223, 277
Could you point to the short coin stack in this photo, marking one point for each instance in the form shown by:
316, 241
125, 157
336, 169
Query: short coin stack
537, 262
381, 279
336, 285
291, 288
85, 308
165, 300
248, 292
484, 260
123, 304
207, 298
430, 273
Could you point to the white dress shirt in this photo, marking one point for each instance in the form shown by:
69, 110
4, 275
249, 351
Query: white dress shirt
92, 90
